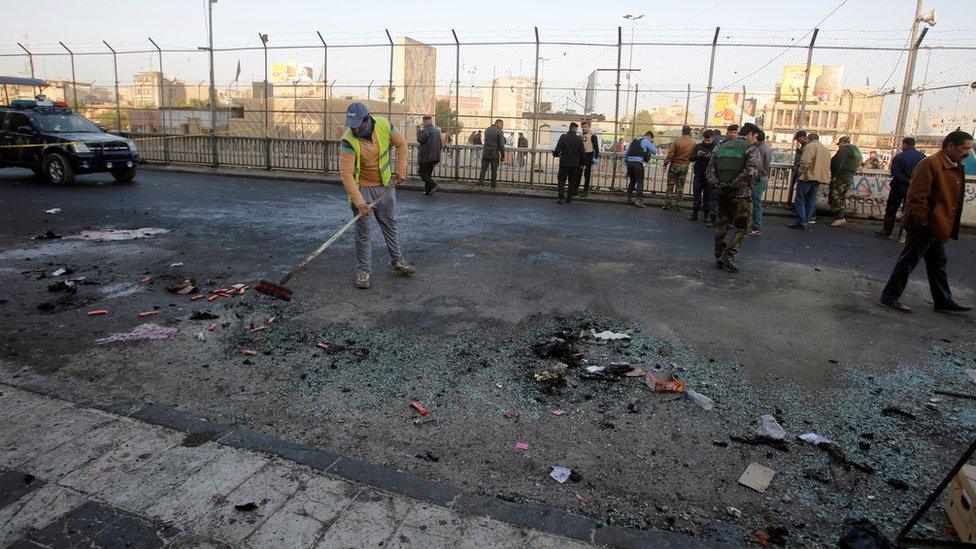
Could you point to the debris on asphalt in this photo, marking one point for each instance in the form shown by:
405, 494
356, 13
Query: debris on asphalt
560, 474
607, 335
511, 414
145, 279
558, 412
555, 374
558, 348
148, 331
246, 507
62, 271
861, 533
204, 315
212, 327
429, 456
179, 264
62, 285
773, 535
47, 235
521, 445
182, 288
53, 211
420, 408
323, 346
898, 484
770, 428
814, 439
201, 336
972, 375
700, 399
671, 384
197, 297
734, 512
97, 312
636, 372
118, 234
248, 352
145, 314
757, 476
893, 410
594, 369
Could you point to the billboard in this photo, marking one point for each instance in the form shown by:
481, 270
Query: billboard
732, 108
824, 83
292, 72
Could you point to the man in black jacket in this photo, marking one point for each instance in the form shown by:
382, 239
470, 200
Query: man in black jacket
429, 138
591, 151
569, 151
702, 194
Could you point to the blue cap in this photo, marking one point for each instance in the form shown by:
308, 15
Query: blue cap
355, 114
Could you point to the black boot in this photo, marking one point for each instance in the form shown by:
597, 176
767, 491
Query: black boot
694, 215
889, 225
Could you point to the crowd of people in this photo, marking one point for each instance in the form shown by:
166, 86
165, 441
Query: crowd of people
730, 174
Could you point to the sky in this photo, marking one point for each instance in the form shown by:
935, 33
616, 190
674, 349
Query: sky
666, 69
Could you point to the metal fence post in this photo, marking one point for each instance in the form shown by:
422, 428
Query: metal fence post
213, 87
535, 109
711, 72
74, 82
325, 103
30, 61
616, 108
267, 130
742, 108
389, 89
687, 103
806, 81
633, 117
457, 105
118, 101
906, 89
162, 101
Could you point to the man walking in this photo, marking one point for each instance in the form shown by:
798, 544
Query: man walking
814, 170
902, 167
732, 170
523, 143
702, 192
676, 165
429, 154
639, 152
569, 150
933, 212
762, 181
843, 166
364, 167
493, 151
591, 151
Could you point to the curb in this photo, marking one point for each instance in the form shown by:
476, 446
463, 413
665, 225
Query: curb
545, 518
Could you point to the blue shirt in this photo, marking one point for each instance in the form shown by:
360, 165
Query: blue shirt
903, 165
647, 146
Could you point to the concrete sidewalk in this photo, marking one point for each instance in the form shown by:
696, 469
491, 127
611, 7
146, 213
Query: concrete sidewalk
72, 476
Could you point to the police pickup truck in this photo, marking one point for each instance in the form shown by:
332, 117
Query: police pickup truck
56, 143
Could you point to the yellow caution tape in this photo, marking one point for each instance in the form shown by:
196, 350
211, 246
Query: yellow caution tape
61, 143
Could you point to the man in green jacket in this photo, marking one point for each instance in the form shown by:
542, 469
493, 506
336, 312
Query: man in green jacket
843, 166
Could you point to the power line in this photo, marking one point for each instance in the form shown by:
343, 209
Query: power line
782, 53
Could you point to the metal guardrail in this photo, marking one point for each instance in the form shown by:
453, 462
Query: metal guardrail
311, 156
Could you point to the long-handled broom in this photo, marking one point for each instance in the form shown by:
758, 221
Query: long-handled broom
279, 290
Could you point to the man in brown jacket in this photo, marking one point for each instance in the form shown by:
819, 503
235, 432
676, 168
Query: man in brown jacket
814, 170
679, 154
932, 216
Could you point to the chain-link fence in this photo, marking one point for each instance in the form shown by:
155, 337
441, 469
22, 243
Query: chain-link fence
280, 100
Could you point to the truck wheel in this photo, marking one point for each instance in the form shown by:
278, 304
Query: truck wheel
124, 174
58, 170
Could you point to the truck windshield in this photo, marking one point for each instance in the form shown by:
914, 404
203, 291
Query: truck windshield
65, 123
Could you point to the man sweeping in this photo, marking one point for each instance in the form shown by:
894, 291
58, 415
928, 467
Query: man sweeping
366, 172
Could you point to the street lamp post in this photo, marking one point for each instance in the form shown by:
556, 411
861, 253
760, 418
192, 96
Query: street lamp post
213, 84
630, 62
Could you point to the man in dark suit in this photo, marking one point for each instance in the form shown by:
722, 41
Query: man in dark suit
569, 151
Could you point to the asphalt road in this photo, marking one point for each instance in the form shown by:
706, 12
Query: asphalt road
492, 271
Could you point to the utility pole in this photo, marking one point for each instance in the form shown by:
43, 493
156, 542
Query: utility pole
630, 62
906, 88
711, 72
213, 84
806, 80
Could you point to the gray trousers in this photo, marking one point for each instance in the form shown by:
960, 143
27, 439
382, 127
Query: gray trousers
385, 213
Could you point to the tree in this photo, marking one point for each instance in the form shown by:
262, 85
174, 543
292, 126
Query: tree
644, 122
446, 118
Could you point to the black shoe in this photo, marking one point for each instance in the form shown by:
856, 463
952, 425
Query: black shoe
894, 304
953, 307
694, 216
882, 234
798, 226
584, 193
726, 263
432, 189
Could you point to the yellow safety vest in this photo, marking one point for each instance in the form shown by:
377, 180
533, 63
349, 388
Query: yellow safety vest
381, 133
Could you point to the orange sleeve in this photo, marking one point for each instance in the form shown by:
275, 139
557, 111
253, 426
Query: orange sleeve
401, 152
347, 164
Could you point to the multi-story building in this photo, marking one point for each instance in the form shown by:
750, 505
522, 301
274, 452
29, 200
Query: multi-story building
510, 97
414, 77
145, 91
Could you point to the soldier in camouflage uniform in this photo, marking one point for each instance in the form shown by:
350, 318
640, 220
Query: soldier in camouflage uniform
732, 171
843, 166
